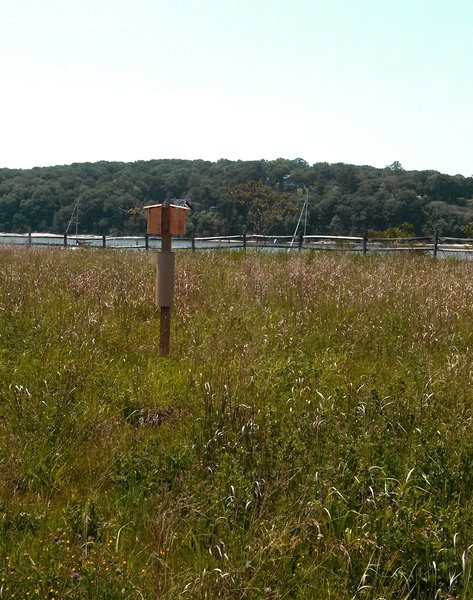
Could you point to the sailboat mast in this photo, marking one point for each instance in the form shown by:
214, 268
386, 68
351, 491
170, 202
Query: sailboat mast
306, 211
303, 212
77, 216
75, 211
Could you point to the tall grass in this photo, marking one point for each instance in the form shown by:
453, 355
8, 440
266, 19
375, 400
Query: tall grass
310, 435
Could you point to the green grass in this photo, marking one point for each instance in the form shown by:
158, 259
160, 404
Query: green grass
309, 436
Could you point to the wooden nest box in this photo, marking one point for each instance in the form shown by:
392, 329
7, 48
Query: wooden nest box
177, 219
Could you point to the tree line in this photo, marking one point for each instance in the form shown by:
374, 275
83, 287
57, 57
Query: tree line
229, 197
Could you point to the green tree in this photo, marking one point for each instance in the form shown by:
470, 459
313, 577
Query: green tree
262, 207
468, 229
395, 166
136, 219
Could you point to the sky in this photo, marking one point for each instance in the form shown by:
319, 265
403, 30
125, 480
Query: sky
365, 82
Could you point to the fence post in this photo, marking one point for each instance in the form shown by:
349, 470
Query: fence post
244, 240
301, 241
146, 241
193, 241
29, 238
436, 243
65, 239
104, 241
365, 243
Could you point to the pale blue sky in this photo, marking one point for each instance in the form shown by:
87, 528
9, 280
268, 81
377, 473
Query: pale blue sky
362, 82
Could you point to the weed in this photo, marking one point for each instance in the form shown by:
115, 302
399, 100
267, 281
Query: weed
308, 437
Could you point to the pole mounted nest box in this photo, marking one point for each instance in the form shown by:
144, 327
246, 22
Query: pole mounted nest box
177, 219
165, 220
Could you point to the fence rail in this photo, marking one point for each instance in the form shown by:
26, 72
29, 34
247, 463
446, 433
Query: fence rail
328, 243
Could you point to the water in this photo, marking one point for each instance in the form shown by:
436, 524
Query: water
138, 243
95, 241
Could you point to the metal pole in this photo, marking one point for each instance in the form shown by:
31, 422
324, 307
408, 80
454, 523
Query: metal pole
306, 210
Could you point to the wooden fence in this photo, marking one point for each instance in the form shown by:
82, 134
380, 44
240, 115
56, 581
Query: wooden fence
329, 243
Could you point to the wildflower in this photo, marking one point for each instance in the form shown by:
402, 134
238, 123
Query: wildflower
75, 575
118, 571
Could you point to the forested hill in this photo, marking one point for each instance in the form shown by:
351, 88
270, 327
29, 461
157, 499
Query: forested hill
343, 199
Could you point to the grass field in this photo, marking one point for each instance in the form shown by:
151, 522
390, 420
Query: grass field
310, 435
